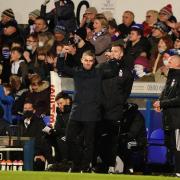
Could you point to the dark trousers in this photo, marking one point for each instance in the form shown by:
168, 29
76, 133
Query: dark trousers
80, 143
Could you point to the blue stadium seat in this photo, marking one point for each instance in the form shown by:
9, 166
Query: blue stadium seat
157, 137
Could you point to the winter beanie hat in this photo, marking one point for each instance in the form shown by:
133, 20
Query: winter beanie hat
167, 10
9, 13
35, 13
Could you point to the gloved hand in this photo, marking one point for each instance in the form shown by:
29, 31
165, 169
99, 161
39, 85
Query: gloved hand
47, 130
46, 2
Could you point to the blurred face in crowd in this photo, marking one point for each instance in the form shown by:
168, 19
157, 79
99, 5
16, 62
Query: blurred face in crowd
134, 36
5, 19
151, 17
28, 107
174, 62
163, 17
15, 55
157, 33
162, 46
9, 30
89, 16
58, 37
35, 86
87, 62
177, 44
127, 18
61, 103
116, 52
97, 25
31, 43
40, 25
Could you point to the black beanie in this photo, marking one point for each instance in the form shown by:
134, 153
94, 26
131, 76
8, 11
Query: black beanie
81, 32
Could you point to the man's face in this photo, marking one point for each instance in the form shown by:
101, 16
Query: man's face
28, 107
9, 30
163, 17
61, 103
39, 25
87, 62
59, 37
174, 62
134, 36
127, 19
15, 55
116, 52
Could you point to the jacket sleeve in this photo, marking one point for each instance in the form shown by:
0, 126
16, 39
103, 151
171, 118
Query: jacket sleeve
63, 68
64, 12
45, 15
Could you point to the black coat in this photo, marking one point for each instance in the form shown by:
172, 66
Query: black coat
34, 130
116, 90
170, 100
87, 95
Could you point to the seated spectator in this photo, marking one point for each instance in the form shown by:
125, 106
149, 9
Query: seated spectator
40, 25
60, 34
151, 19
177, 43
31, 126
6, 101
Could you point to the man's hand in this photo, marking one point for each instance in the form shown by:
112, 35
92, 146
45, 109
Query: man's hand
156, 106
46, 2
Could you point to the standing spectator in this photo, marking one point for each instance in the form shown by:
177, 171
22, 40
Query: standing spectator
101, 40
62, 14
31, 22
169, 103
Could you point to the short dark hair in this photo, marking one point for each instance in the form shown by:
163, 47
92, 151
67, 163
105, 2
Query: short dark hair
29, 101
63, 95
18, 49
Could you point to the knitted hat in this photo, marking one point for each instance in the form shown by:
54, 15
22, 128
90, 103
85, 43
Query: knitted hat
81, 32
60, 29
9, 13
141, 60
161, 26
92, 10
167, 10
173, 52
35, 13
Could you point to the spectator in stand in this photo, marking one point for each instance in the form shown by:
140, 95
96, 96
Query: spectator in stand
60, 34
39, 93
127, 22
31, 126
31, 22
18, 65
6, 17
165, 13
11, 33
101, 39
159, 30
62, 14
137, 45
30, 54
40, 25
113, 30
151, 19
88, 17
6, 101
